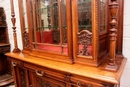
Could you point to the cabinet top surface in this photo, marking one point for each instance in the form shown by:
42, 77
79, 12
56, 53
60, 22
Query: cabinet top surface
97, 73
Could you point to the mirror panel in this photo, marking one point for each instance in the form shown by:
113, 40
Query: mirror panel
51, 29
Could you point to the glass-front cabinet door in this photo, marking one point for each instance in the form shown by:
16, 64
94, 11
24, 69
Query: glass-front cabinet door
65, 30
89, 30
47, 26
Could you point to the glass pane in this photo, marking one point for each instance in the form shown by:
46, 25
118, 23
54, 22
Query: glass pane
84, 27
63, 16
103, 15
51, 29
84, 15
25, 15
47, 22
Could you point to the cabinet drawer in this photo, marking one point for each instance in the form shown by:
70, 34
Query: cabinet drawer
85, 82
46, 82
43, 71
16, 62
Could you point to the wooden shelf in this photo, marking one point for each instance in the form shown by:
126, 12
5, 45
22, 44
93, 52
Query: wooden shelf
6, 79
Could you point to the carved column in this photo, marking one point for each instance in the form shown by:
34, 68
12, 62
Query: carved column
113, 7
13, 19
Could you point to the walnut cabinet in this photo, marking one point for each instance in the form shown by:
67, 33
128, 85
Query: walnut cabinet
68, 43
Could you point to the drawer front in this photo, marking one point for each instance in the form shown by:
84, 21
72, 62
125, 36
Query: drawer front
16, 62
43, 71
46, 82
84, 82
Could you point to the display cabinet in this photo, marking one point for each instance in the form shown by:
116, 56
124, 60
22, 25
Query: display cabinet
69, 43
65, 29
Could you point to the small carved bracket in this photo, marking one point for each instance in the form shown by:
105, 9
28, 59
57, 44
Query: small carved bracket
67, 77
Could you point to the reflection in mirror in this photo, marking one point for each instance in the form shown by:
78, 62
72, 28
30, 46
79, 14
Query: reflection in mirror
51, 30
84, 27
47, 21
103, 15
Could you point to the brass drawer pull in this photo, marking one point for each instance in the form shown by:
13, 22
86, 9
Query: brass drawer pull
78, 84
39, 74
89, 85
14, 63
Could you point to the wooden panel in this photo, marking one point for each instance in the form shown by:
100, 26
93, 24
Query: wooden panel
47, 82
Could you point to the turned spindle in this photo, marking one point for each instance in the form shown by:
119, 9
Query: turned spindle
113, 7
13, 19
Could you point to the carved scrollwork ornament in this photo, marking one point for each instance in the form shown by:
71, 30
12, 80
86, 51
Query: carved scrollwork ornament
84, 39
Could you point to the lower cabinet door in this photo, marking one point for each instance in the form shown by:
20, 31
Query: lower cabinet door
43, 81
21, 77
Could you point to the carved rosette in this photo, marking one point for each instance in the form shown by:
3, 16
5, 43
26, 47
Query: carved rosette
84, 40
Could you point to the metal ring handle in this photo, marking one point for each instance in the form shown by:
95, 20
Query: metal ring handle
78, 84
89, 85
14, 63
39, 74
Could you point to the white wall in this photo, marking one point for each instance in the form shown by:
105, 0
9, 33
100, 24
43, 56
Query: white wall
125, 80
126, 34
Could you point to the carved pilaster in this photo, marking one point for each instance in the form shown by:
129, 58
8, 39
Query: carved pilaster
112, 35
13, 19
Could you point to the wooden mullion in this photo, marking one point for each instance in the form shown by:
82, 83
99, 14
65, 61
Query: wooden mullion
69, 29
60, 24
34, 23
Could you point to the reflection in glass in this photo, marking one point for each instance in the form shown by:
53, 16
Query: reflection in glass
51, 27
103, 18
84, 28
24, 15
84, 15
